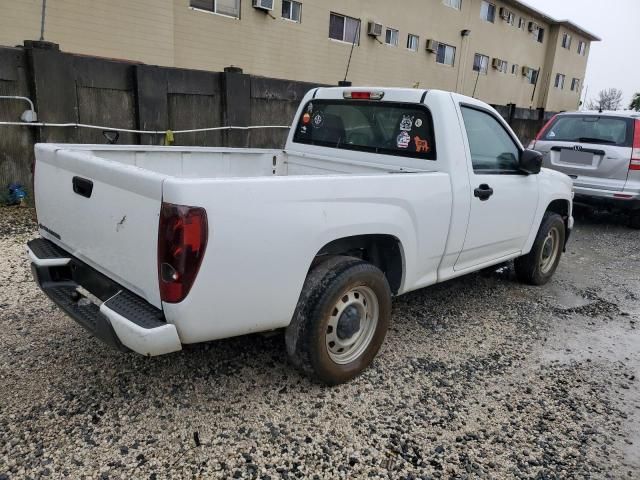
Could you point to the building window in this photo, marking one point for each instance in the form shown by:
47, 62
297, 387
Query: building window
502, 66
522, 23
413, 42
292, 10
446, 54
566, 41
575, 84
391, 37
559, 81
457, 4
514, 69
481, 63
582, 48
230, 8
532, 76
344, 29
488, 11
540, 35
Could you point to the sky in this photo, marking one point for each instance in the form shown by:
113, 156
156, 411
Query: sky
615, 61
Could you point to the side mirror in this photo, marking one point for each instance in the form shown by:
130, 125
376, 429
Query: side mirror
530, 162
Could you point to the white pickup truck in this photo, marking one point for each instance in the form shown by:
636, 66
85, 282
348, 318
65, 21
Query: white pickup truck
378, 192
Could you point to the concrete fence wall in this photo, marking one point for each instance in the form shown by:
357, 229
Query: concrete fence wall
69, 88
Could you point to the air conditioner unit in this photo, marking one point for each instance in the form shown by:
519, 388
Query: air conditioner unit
496, 63
505, 14
533, 27
526, 71
432, 46
263, 4
375, 29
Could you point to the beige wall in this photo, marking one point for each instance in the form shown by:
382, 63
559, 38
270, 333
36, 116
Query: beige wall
170, 33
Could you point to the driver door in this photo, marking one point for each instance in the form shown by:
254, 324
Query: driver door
503, 199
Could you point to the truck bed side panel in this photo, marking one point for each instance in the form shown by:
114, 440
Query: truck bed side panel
264, 234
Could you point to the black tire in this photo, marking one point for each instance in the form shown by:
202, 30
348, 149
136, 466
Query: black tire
307, 337
530, 268
634, 219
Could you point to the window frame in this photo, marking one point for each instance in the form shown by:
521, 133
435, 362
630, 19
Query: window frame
582, 48
431, 155
575, 84
515, 69
511, 136
491, 7
522, 23
411, 36
289, 19
566, 41
540, 35
214, 11
559, 81
480, 70
356, 41
445, 54
449, 3
397, 37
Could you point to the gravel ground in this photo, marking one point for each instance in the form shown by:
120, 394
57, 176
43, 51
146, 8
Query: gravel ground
479, 378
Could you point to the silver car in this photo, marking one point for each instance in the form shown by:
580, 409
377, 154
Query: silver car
600, 151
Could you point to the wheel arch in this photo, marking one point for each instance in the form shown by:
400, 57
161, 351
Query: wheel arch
382, 250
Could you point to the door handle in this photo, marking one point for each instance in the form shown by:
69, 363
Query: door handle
483, 192
82, 186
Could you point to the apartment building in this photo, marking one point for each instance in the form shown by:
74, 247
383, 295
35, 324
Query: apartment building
501, 51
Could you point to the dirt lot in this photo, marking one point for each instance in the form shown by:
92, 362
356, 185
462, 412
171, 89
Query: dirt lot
479, 378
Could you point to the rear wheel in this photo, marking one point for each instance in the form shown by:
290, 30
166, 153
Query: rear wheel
341, 320
539, 265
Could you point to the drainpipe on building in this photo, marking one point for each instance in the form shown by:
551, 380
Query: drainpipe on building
44, 15
462, 63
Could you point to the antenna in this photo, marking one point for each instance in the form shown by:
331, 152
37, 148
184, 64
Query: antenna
355, 38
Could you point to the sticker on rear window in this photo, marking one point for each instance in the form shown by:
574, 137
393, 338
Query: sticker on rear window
552, 134
421, 145
403, 140
407, 123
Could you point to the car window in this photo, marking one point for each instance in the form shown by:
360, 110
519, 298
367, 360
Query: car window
492, 148
590, 129
370, 126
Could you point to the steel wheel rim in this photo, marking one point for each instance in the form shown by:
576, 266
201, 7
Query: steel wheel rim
550, 250
345, 350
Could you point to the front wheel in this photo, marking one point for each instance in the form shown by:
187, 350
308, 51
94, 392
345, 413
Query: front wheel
341, 320
539, 265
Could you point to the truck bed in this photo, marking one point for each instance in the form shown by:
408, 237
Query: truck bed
202, 162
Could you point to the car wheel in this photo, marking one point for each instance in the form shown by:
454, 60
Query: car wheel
539, 265
634, 219
341, 320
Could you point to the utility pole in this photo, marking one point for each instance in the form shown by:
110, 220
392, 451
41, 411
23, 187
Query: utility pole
44, 14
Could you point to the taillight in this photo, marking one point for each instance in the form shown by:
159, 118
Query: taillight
182, 241
635, 153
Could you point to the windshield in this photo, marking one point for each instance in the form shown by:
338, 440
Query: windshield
377, 127
590, 129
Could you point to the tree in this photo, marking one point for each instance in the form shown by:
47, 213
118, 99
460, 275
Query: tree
635, 103
609, 99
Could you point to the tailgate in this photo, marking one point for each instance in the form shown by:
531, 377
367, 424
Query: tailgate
103, 212
593, 166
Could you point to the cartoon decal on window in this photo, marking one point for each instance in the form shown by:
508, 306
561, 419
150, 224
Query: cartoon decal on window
403, 140
421, 145
406, 125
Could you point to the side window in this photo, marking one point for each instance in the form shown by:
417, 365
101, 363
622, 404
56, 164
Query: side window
492, 148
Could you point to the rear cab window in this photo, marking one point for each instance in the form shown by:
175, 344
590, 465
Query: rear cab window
387, 128
597, 129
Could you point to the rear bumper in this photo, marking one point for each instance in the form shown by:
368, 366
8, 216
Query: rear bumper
110, 312
597, 197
